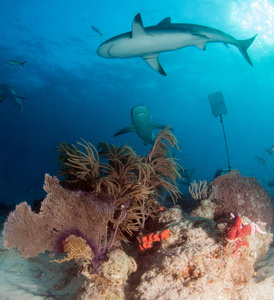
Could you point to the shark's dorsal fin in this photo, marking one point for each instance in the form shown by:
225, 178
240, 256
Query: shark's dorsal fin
152, 60
165, 21
138, 27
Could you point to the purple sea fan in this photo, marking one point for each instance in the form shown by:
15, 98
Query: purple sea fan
63, 213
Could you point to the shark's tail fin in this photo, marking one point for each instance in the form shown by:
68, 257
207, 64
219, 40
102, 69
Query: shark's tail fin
22, 63
243, 45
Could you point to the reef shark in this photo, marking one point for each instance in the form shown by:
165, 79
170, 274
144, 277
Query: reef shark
9, 93
142, 124
186, 176
149, 42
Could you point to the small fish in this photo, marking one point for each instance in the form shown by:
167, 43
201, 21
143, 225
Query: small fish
269, 151
16, 63
96, 30
261, 160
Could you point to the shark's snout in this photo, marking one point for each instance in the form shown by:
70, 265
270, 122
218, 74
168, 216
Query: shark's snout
100, 51
103, 51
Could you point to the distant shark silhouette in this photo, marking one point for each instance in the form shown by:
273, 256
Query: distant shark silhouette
149, 42
16, 63
9, 93
142, 124
186, 176
270, 150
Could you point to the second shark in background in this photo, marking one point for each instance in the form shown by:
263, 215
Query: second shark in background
142, 124
9, 93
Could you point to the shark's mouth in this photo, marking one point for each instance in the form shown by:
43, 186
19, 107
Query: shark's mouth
109, 51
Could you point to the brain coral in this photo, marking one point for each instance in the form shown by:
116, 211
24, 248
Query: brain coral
233, 193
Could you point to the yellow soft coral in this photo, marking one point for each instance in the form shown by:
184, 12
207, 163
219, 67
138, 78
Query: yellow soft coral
76, 248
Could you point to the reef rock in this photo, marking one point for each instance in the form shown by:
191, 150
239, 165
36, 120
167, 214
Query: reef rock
110, 282
197, 261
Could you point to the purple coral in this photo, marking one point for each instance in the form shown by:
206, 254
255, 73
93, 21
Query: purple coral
63, 213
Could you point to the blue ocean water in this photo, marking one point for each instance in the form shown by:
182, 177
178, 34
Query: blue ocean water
72, 93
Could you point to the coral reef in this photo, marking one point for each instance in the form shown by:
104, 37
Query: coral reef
119, 172
233, 193
197, 260
104, 195
110, 195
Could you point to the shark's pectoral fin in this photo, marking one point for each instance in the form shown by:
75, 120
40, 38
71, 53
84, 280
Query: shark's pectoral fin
157, 126
130, 128
138, 27
148, 143
154, 63
201, 44
19, 97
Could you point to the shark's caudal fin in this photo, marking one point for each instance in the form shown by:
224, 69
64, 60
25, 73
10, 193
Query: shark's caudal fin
243, 45
22, 63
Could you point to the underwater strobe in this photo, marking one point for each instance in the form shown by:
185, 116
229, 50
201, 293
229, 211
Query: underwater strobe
218, 108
